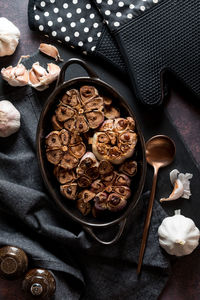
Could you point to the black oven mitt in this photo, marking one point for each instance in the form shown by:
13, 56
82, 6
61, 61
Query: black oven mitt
77, 24
156, 36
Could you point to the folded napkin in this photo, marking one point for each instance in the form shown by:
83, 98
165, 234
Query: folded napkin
30, 219
148, 38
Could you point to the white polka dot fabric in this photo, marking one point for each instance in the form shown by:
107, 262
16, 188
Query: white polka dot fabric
118, 12
76, 22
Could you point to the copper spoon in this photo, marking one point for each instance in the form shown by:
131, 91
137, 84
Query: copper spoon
160, 152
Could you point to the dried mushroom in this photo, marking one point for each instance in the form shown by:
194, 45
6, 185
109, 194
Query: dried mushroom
89, 153
115, 141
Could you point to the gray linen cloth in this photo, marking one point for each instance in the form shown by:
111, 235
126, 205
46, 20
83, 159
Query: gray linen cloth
29, 219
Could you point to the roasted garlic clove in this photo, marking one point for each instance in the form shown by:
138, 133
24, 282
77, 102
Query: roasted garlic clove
78, 150
92, 172
100, 201
56, 124
64, 136
94, 104
95, 118
129, 168
71, 98
84, 181
113, 137
50, 50
97, 186
69, 191
84, 207
105, 167
15, 76
121, 124
64, 113
124, 191
64, 176
54, 156
53, 140
107, 125
68, 161
75, 138
81, 124
86, 195
122, 179
128, 137
107, 101
70, 124
87, 93
111, 112
113, 154
109, 179
86, 162
102, 137
131, 123
115, 202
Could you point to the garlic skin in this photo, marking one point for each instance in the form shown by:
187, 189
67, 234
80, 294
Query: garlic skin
9, 37
9, 118
15, 76
178, 235
181, 183
39, 78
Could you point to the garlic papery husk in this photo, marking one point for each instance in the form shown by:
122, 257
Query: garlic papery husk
178, 235
9, 37
40, 79
50, 50
15, 76
181, 183
9, 118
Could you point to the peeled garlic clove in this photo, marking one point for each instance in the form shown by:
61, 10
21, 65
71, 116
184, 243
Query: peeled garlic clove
9, 37
50, 50
176, 193
9, 118
15, 76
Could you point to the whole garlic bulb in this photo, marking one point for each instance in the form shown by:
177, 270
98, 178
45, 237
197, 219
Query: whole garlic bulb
9, 118
178, 235
9, 37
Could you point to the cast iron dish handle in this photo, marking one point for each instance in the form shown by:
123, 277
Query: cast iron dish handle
114, 240
71, 61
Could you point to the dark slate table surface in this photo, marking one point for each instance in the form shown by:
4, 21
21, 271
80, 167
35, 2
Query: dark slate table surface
184, 282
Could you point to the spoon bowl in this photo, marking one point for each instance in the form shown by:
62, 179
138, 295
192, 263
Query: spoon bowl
160, 152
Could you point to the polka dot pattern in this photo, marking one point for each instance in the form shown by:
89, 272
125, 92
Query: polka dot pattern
119, 12
79, 23
76, 22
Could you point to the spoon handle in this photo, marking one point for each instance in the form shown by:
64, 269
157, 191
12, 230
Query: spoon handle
147, 221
